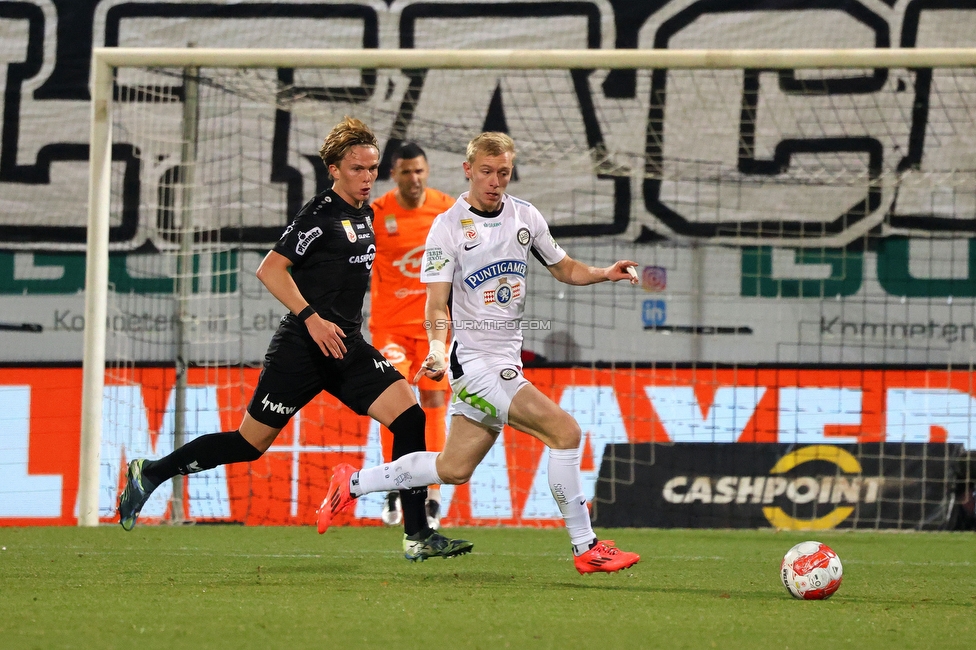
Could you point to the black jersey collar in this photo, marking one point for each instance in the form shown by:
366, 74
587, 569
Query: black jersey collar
487, 215
360, 211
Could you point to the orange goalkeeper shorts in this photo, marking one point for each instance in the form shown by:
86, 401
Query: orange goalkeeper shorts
407, 354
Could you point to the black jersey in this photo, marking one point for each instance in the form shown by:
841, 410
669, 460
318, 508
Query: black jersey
332, 247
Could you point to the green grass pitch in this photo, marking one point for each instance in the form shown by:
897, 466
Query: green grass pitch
235, 587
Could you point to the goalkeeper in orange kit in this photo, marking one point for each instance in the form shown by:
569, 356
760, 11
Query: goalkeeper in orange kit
402, 218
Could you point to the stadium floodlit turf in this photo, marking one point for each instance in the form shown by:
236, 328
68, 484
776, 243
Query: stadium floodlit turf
233, 587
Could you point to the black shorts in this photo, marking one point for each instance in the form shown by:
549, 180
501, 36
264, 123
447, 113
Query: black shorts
296, 370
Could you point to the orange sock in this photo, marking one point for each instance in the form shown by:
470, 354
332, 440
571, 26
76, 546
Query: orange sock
434, 433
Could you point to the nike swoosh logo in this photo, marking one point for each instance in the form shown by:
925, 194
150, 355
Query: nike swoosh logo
467, 248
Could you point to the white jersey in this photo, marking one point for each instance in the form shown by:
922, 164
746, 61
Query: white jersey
484, 256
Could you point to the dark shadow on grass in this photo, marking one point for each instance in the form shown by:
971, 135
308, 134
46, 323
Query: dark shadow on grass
641, 588
907, 603
758, 595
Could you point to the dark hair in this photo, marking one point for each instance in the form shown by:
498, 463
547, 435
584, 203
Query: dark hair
408, 151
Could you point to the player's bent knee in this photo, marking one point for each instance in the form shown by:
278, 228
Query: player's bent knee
569, 434
408, 431
259, 436
454, 475
249, 451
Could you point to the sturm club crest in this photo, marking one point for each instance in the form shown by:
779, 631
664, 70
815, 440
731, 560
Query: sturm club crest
508, 374
523, 236
503, 294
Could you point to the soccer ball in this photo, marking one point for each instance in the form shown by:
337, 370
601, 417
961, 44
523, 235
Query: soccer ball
811, 571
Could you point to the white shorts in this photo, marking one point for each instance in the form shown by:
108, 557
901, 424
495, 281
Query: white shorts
484, 393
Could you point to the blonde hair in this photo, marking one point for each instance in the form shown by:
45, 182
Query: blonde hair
345, 135
491, 143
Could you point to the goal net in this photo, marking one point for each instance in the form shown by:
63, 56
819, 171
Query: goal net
801, 341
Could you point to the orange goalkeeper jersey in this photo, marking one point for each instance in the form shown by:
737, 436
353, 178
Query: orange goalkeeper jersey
397, 296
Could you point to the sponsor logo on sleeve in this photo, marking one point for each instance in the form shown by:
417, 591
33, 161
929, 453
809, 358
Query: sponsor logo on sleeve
435, 260
305, 239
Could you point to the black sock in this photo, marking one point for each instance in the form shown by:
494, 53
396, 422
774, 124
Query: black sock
205, 452
408, 437
414, 502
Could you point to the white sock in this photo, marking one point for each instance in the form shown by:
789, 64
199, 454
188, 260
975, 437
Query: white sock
579, 549
567, 489
418, 469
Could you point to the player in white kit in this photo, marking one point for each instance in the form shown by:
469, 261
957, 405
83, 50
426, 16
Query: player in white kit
475, 259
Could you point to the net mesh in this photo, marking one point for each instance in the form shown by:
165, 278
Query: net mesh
802, 238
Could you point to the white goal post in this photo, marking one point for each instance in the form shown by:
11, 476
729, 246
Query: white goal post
107, 61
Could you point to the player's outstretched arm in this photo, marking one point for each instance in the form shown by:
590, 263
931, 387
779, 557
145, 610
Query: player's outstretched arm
574, 272
273, 273
437, 321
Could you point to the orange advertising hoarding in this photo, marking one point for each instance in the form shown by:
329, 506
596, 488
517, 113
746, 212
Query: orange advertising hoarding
41, 410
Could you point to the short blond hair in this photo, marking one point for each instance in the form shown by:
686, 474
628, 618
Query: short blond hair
490, 143
345, 135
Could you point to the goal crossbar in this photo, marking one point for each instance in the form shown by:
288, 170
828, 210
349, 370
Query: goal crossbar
537, 59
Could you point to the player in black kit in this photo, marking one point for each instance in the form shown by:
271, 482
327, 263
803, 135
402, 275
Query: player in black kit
319, 270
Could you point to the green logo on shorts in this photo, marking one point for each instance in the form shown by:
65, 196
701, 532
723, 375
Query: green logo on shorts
479, 403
